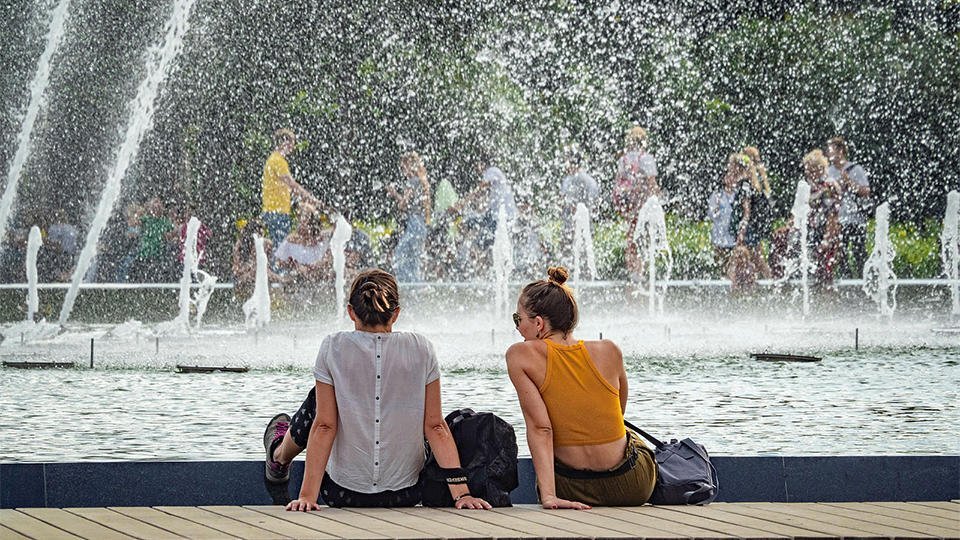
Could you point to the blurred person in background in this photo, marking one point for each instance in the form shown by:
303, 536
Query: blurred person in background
824, 222
576, 187
635, 182
414, 207
854, 208
720, 212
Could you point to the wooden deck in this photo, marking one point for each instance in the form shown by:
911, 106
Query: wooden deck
912, 520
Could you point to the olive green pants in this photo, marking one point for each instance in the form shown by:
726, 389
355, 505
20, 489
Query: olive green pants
630, 483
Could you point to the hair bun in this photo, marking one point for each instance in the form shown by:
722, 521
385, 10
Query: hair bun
558, 274
376, 296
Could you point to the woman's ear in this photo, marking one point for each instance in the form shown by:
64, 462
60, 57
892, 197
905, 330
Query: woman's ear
396, 314
351, 313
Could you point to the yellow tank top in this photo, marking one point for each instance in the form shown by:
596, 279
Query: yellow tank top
584, 408
276, 194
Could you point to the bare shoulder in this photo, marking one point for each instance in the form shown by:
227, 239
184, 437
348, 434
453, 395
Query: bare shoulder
604, 349
524, 351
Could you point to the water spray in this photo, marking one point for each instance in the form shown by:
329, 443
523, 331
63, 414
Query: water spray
950, 248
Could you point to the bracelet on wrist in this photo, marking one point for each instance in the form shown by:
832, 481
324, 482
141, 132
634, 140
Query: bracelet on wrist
458, 497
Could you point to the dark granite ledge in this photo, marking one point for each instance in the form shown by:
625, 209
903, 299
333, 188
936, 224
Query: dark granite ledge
197, 483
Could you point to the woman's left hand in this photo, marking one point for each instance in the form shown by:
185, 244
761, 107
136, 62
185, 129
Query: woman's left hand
302, 505
472, 503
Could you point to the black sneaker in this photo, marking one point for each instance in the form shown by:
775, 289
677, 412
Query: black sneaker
276, 429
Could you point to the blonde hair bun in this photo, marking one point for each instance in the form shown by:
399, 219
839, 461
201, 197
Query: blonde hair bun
558, 274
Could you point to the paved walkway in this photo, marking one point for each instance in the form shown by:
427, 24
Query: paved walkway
722, 520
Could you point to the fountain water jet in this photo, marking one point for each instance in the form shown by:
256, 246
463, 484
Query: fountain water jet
950, 247
256, 310
37, 88
28, 329
338, 244
583, 242
802, 264
502, 262
191, 271
879, 281
34, 241
141, 119
651, 232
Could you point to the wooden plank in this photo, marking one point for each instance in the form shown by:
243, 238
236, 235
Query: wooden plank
120, 522
514, 519
216, 521
430, 528
710, 524
856, 510
32, 527
588, 517
704, 523
374, 526
555, 520
929, 510
717, 512
465, 520
657, 517
271, 523
853, 520
902, 512
168, 522
812, 522
10, 534
318, 521
77, 525
945, 505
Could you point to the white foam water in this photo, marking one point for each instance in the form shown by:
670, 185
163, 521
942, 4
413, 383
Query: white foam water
256, 310
879, 281
502, 262
583, 243
186, 278
191, 274
801, 266
141, 118
38, 88
950, 247
34, 241
651, 234
338, 244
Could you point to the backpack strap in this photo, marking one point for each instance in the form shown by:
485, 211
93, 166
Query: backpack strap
656, 442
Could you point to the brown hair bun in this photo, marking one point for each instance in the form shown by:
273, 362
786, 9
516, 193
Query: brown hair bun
558, 274
551, 299
374, 296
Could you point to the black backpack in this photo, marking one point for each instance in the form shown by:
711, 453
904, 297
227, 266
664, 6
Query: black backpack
487, 446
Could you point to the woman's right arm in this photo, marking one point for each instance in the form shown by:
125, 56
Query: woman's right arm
319, 444
539, 429
437, 432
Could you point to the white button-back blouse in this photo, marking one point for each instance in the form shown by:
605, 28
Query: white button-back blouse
379, 381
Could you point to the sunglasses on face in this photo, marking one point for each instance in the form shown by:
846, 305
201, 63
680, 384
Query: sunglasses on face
517, 317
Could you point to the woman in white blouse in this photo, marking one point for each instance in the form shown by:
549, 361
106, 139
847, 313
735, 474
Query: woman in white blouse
376, 395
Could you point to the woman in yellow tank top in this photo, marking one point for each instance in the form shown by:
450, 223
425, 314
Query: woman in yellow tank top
573, 394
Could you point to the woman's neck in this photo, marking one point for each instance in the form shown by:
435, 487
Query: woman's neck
559, 337
373, 329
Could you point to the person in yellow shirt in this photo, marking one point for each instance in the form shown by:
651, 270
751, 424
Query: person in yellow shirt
279, 186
